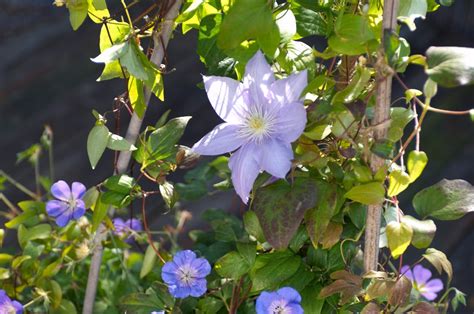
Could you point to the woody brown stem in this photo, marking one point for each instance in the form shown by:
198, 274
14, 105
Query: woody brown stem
381, 114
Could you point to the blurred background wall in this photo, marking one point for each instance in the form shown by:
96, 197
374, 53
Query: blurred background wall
46, 78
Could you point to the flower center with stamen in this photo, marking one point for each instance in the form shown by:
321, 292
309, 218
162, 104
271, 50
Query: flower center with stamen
279, 308
186, 275
258, 124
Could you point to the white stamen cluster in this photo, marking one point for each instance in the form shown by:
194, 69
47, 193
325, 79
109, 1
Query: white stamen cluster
258, 124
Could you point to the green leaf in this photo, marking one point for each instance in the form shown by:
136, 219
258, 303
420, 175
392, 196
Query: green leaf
98, 10
252, 226
232, 265
77, 12
368, 193
423, 231
399, 117
141, 303
136, 95
190, 11
116, 142
309, 22
168, 193
56, 294
65, 307
356, 86
412, 93
99, 213
351, 35
41, 231
409, 10
270, 270
112, 33
210, 305
310, 301
399, 181
121, 183
439, 260
295, 56
149, 260
451, 66
96, 143
399, 235
446, 200
90, 197
459, 297
249, 19
416, 162
281, 206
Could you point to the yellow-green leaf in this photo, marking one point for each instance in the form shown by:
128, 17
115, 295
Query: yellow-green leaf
98, 10
369, 193
417, 161
148, 261
399, 181
399, 237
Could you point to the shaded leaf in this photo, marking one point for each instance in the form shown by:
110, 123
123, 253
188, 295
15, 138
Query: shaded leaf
451, 66
149, 260
423, 231
439, 260
409, 10
97, 141
400, 292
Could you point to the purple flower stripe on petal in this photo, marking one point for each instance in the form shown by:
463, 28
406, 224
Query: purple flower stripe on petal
55, 208
263, 117
61, 191
78, 190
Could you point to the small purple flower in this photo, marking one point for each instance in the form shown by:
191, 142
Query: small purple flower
186, 275
125, 228
283, 301
69, 204
158, 312
263, 116
7, 306
420, 279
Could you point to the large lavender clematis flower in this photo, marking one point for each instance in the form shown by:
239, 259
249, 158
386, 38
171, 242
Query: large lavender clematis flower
186, 275
420, 279
68, 204
285, 301
7, 306
263, 116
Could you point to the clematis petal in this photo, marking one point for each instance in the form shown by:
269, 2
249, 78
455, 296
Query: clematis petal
55, 208
222, 139
61, 191
264, 301
289, 89
258, 78
422, 275
291, 122
63, 219
434, 285
78, 190
80, 209
406, 271
202, 267
198, 288
276, 157
226, 97
290, 294
245, 169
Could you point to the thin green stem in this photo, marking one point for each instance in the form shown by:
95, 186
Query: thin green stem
9, 204
19, 186
127, 13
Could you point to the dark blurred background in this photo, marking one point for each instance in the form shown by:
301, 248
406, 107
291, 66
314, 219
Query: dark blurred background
46, 77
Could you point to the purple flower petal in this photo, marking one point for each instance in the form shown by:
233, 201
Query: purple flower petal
179, 292
134, 224
291, 122
63, 219
202, 267
168, 272
245, 169
406, 271
295, 308
78, 190
79, 210
289, 89
61, 191
434, 285
184, 257
226, 97
430, 296
276, 157
55, 208
223, 138
18, 307
289, 294
198, 288
422, 275
264, 301
258, 78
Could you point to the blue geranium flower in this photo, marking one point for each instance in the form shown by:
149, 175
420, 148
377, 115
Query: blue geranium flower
283, 301
158, 312
68, 204
186, 275
125, 229
7, 306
